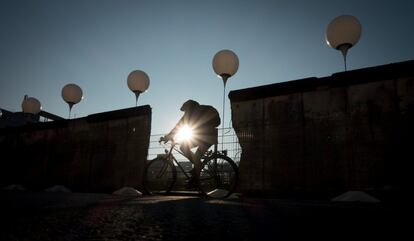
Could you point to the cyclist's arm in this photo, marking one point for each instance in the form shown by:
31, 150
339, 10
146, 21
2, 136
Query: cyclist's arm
171, 134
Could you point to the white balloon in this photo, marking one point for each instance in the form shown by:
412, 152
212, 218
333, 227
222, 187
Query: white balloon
72, 94
225, 63
343, 30
31, 105
138, 81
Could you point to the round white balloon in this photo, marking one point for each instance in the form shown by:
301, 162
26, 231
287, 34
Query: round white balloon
138, 80
345, 29
31, 105
225, 62
72, 93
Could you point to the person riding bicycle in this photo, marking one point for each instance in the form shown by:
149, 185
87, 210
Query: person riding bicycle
203, 121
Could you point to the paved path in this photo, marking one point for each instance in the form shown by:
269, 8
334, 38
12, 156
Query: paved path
60, 216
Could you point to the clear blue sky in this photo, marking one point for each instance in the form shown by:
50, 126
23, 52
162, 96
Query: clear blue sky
96, 44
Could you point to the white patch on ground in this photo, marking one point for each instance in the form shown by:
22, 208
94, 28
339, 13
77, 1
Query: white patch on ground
128, 191
58, 188
355, 196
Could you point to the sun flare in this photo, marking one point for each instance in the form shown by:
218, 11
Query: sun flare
184, 134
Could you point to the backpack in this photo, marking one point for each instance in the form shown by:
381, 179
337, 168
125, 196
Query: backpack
210, 114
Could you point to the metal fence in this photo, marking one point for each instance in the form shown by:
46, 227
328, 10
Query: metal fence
227, 139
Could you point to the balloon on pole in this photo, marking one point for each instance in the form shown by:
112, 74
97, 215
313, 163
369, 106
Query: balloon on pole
31, 105
72, 94
138, 82
342, 33
225, 65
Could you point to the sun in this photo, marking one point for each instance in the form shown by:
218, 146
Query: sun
184, 134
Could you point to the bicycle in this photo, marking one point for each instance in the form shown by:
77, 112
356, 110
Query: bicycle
218, 176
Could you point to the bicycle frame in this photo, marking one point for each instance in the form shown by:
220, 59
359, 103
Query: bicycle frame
170, 157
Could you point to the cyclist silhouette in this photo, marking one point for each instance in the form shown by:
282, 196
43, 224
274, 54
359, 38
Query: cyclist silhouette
202, 121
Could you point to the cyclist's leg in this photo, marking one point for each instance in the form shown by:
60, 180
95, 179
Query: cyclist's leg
190, 155
202, 148
186, 150
208, 138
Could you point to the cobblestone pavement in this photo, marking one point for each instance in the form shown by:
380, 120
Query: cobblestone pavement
74, 216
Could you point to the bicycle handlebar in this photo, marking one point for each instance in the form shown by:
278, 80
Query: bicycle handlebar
164, 141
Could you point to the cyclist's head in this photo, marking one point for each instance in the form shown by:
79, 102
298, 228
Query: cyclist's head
189, 105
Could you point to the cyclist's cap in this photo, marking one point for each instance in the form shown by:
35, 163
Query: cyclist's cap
188, 105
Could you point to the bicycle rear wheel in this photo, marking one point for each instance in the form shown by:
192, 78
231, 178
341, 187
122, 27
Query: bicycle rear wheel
219, 176
160, 176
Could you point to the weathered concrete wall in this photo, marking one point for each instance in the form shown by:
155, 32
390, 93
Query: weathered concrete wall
352, 130
98, 153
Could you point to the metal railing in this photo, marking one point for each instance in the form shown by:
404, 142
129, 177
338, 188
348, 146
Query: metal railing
227, 139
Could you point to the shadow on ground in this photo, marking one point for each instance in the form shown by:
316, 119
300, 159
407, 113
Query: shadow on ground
74, 216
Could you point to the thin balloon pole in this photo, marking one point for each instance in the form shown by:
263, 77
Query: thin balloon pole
224, 77
344, 50
137, 93
222, 129
345, 62
70, 108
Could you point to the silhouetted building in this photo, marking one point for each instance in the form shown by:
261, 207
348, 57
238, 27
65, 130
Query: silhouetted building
13, 119
349, 131
98, 153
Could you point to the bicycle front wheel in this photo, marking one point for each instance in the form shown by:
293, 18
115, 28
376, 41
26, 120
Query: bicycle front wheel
160, 176
219, 176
